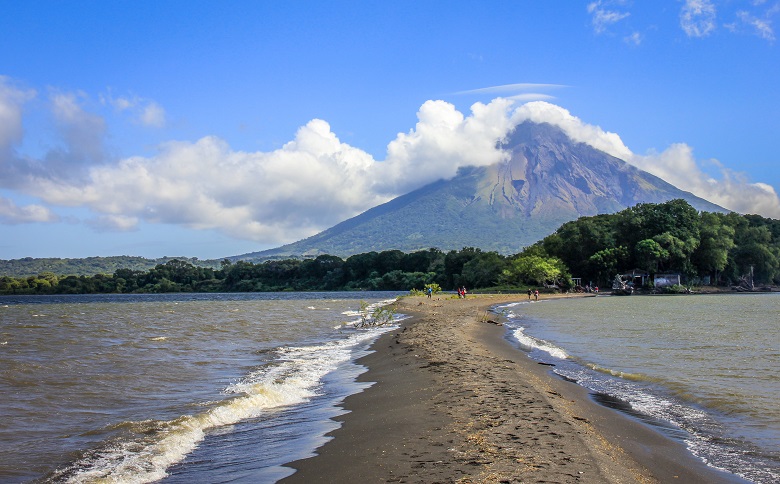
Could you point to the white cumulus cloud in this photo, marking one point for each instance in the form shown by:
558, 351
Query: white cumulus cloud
543, 112
315, 180
443, 141
311, 183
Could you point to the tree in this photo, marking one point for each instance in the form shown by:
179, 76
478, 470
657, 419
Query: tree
605, 263
483, 270
574, 242
454, 262
650, 255
534, 269
717, 239
647, 220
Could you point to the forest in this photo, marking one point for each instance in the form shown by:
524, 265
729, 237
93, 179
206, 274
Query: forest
704, 248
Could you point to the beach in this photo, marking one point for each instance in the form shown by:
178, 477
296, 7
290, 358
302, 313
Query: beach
453, 400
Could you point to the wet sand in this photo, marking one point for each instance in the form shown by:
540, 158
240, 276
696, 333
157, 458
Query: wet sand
454, 401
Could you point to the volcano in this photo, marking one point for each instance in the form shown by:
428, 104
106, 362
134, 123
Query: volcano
548, 180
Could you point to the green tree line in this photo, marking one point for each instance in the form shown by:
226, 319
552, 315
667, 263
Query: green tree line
667, 237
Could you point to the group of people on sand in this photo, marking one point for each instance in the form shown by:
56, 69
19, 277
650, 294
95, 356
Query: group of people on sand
534, 293
462, 292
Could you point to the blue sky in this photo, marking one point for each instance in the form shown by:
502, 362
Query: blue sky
211, 129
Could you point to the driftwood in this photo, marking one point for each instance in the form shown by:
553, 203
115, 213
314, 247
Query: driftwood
486, 320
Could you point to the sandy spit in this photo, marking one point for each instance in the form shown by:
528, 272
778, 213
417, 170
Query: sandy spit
455, 402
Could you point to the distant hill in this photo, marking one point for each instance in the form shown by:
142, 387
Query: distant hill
549, 180
30, 266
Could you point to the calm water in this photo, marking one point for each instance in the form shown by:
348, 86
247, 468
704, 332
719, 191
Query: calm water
706, 369
189, 388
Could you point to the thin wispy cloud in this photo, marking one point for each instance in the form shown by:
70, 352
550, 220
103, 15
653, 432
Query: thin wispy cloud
634, 39
698, 18
521, 92
762, 27
145, 112
508, 88
604, 13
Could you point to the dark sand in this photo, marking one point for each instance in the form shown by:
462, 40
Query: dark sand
455, 402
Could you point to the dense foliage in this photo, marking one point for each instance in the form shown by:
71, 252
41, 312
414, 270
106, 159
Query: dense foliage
387, 270
670, 237
88, 266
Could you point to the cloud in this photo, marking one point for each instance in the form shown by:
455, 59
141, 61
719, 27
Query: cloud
153, 115
311, 183
522, 92
12, 214
603, 15
760, 27
697, 18
315, 180
634, 39
143, 111
542, 112
113, 223
11, 101
509, 88
82, 132
676, 164
733, 190
78, 144
443, 141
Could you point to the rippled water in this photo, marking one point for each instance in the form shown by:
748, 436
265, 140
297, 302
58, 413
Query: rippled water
704, 367
135, 387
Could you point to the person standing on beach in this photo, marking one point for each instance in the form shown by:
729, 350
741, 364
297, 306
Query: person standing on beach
529, 293
536, 294
430, 292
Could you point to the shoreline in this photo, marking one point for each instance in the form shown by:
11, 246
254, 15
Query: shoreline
455, 401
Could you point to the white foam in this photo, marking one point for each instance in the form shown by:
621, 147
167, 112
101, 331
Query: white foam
540, 344
293, 378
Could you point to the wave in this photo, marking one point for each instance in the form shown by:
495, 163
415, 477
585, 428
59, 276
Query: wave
146, 449
539, 344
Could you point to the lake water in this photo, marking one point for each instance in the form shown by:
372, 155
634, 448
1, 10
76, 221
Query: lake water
703, 368
184, 388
